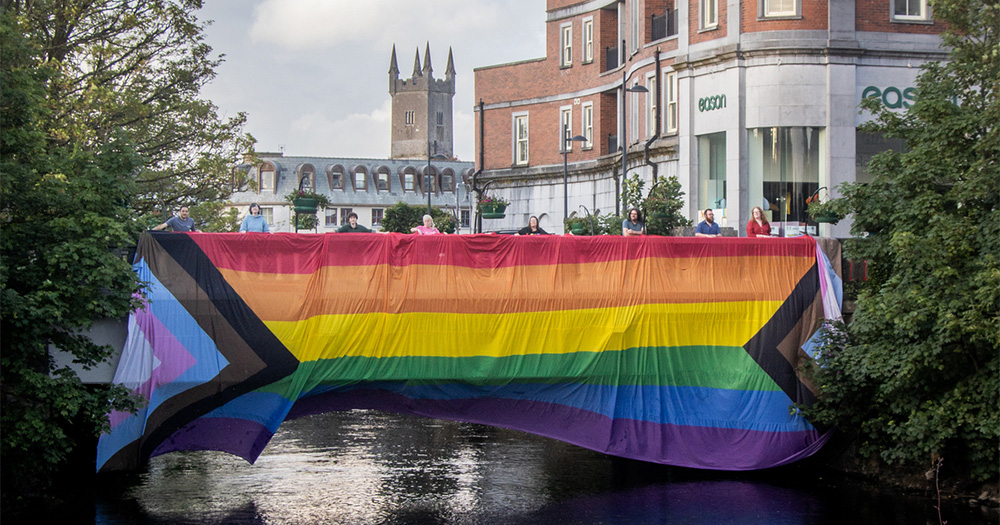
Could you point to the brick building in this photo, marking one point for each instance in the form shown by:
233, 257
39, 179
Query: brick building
422, 128
748, 102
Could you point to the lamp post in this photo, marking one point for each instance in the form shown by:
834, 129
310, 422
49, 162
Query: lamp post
624, 133
427, 174
567, 141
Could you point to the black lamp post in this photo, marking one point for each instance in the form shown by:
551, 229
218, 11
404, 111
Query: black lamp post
624, 133
567, 141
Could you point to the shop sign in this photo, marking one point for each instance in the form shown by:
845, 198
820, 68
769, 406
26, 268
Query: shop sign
891, 96
712, 102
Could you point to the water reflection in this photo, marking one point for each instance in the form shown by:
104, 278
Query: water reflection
370, 467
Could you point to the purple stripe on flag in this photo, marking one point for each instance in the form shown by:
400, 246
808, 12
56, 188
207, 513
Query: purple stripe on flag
239, 437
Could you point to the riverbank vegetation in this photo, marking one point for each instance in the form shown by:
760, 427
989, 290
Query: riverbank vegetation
916, 375
101, 125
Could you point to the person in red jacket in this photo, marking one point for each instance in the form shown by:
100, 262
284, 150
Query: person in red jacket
758, 225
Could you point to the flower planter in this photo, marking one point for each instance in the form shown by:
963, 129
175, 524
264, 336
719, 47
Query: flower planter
492, 211
828, 218
577, 229
305, 205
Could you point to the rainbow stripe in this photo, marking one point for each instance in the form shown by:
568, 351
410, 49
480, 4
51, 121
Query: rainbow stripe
672, 350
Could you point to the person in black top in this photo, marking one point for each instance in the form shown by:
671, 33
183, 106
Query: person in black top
532, 228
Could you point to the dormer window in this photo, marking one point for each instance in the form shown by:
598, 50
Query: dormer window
265, 181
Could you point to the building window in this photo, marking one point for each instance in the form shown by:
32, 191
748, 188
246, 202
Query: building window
566, 45
331, 217
588, 40
267, 214
712, 171
360, 181
910, 10
566, 127
382, 181
670, 101
635, 22
709, 14
344, 212
633, 116
377, 215
408, 118
429, 180
779, 8
336, 177
521, 139
306, 177
409, 182
266, 182
784, 165
587, 123
447, 180
466, 218
651, 104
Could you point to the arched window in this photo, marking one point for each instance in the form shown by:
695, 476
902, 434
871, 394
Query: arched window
336, 174
359, 178
448, 180
428, 179
266, 177
408, 178
381, 175
305, 177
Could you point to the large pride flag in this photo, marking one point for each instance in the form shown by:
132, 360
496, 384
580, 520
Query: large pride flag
680, 351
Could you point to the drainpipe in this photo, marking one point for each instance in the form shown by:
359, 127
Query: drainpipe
477, 222
659, 110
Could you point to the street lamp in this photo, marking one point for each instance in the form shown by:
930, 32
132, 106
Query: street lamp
567, 142
427, 174
624, 140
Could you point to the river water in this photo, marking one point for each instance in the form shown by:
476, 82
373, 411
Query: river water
362, 467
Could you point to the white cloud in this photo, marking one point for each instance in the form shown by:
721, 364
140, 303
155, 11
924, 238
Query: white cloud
363, 135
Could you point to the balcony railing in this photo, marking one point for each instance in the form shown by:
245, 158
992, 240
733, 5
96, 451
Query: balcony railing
611, 57
665, 25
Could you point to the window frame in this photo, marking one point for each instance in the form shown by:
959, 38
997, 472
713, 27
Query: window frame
587, 42
517, 139
651, 104
633, 115
765, 13
635, 22
923, 17
671, 112
273, 171
708, 15
587, 124
344, 212
566, 44
565, 128
331, 213
377, 221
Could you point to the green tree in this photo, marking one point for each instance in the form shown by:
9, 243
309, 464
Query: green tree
662, 207
401, 217
136, 68
67, 222
917, 372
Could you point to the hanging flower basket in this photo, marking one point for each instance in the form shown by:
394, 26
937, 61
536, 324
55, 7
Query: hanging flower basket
305, 205
493, 210
827, 217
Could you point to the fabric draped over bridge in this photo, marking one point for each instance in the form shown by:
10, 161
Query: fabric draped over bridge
680, 351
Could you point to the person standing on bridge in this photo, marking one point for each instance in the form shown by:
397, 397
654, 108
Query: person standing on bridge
758, 225
254, 221
352, 225
708, 227
532, 228
633, 225
427, 228
179, 223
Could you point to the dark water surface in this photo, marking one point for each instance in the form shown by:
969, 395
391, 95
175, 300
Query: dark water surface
363, 467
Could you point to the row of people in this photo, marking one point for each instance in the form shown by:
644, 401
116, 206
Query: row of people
631, 226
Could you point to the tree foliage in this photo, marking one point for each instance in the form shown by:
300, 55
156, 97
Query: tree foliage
401, 217
135, 68
662, 207
101, 123
917, 372
66, 219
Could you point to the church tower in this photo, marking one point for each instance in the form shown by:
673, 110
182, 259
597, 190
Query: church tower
422, 109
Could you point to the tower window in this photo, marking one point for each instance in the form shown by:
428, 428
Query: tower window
409, 118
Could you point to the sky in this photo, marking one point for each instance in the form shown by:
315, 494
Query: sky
312, 75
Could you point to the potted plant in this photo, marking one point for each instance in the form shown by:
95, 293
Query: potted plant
662, 207
579, 226
493, 207
305, 201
